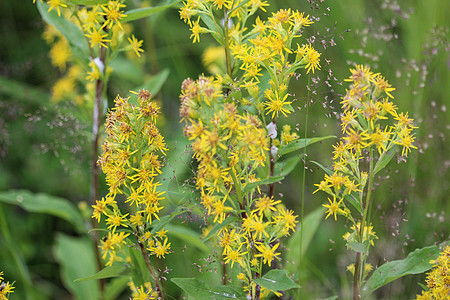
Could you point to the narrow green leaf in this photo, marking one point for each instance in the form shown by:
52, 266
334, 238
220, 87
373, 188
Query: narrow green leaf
269, 180
357, 247
385, 158
198, 289
217, 227
71, 32
310, 223
328, 171
277, 280
301, 143
139, 13
285, 167
108, 272
188, 235
163, 221
77, 259
354, 202
139, 272
43, 203
89, 2
416, 262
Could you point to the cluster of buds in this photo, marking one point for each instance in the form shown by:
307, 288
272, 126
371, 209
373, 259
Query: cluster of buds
438, 279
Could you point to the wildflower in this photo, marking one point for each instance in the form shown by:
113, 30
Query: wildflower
267, 253
196, 29
266, 204
333, 208
113, 14
136, 45
55, 4
276, 105
60, 53
234, 255
115, 220
97, 38
161, 249
406, 141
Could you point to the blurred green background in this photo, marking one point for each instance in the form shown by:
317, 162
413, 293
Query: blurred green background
45, 147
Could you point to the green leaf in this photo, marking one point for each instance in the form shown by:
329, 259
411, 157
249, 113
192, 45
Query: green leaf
155, 83
269, 180
416, 262
285, 167
328, 171
77, 259
310, 225
188, 235
198, 289
139, 13
384, 159
301, 143
108, 272
277, 280
163, 221
357, 247
71, 32
140, 272
43, 203
354, 202
24, 93
115, 287
217, 227
89, 2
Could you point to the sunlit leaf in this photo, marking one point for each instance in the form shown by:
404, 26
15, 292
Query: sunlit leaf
108, 272
200, 290
43, 203
301, 143
277, 280
139, 13
269, 180
219, 226
69, 30
416, 262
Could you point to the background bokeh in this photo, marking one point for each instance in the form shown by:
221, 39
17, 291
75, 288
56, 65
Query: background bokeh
45, 147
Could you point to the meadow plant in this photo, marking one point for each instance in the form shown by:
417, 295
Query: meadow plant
232, 121
373, 133
132, 159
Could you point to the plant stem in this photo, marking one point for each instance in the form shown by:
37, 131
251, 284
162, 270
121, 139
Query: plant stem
97, 118
161, 294
356, 282
227, 44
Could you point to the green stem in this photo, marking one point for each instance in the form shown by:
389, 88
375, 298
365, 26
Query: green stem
159, 290
303, 188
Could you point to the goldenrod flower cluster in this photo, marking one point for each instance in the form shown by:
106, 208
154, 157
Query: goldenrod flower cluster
230, 145
438, 279
131, 159
5, 288
266, 47
102, 27
373, 130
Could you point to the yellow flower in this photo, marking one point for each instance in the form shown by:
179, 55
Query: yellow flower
276, 105
136, 45
56, 4
196, 29
113, 14
161, 249
97, 38
333, 208
60, 53
267, 253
